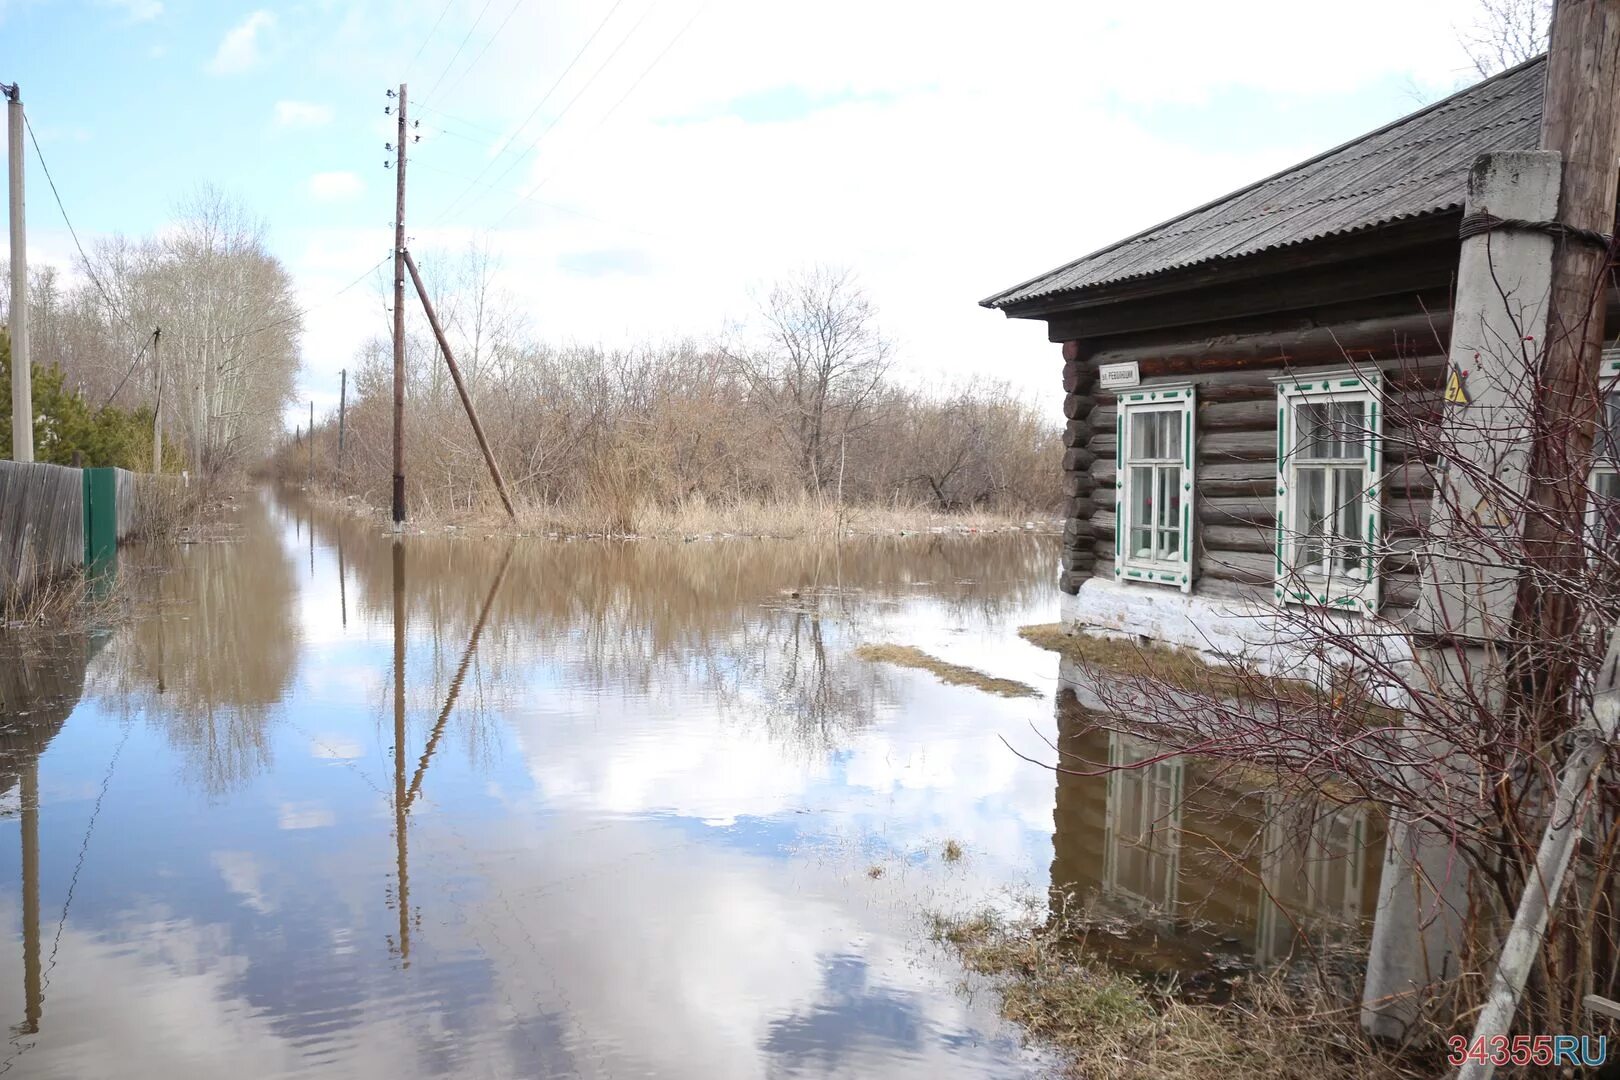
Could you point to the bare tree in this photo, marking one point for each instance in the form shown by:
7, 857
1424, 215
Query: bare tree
821, 361
1505, 33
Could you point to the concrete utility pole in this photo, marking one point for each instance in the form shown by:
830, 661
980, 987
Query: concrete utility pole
157, 404
22, 375
399, 318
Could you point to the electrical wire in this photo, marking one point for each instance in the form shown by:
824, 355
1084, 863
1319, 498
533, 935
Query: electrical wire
490, 41
83, 258
435, 29
457, 53
524, 196
515, 132
555, 120
301, 312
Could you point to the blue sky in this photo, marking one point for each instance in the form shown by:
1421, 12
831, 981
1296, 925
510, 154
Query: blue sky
696, 149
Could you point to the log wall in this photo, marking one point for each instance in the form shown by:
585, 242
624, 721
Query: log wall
1236, 495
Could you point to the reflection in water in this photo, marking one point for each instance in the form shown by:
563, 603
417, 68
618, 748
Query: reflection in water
1202, 855
215, 650
39, 688
620, 799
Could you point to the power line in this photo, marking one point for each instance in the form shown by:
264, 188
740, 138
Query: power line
491, 40
538, 106
430, 33
559, 207
83, 258
555, 120
457, 53
300, 313
609, 114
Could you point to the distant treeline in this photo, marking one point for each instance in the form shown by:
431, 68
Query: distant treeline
803, 405
224, 365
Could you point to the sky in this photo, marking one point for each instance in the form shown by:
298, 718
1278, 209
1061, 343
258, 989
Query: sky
642, 169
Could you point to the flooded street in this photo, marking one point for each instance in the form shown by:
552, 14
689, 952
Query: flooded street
464, 806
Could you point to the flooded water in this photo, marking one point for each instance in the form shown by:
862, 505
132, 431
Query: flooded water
334, 806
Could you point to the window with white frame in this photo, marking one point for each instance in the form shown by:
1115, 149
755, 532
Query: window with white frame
1329, 458
1153, 497
1605, 511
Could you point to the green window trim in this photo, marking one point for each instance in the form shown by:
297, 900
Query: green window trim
1357, 593
1179, 570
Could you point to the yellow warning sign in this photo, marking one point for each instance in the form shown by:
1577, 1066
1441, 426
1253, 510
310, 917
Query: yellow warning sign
1489, 513
1457, 388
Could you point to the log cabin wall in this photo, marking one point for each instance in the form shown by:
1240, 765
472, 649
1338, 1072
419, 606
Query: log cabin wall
1233, 365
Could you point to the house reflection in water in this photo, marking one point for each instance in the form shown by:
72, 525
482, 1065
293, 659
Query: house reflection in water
1200, 857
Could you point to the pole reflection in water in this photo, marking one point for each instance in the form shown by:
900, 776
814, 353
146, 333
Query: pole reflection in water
402, 890
456, 680
33, 995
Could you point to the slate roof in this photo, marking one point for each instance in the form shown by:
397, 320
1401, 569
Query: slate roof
1414, 167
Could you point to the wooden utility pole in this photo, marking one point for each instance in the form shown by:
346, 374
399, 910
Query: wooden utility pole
343, 401
1580, 120
157, 403
461, 387
309, 471
22, 375
399, 318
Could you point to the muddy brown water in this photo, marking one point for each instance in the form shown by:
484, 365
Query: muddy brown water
331, 806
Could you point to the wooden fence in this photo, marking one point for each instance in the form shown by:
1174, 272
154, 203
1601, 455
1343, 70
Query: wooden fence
41, 524
42, 519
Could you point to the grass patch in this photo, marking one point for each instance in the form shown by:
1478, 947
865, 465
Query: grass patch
1109, 1026
1188, 670
951, 852
953, 674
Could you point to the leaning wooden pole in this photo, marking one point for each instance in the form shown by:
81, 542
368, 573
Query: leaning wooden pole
1581, 121
461, 387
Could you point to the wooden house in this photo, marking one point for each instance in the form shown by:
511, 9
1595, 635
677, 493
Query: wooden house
1244, 384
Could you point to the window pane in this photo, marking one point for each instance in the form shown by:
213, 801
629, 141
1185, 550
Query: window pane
1144, 435
1310, 501
1332, 430
1349, 428
1170, 513
1606, 499
1609, 441
1310, 430
1141, 512
1172, 434
1347, 491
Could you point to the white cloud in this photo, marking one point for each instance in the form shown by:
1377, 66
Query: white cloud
302, 114
239, 50
781, 139
335, 186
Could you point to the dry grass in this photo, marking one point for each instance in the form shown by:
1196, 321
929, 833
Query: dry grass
951, 852
1187, 669
700, 518
1108, 1026
53, 603
952, 674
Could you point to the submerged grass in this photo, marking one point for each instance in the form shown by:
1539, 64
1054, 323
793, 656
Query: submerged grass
1109, 1026
953, 674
